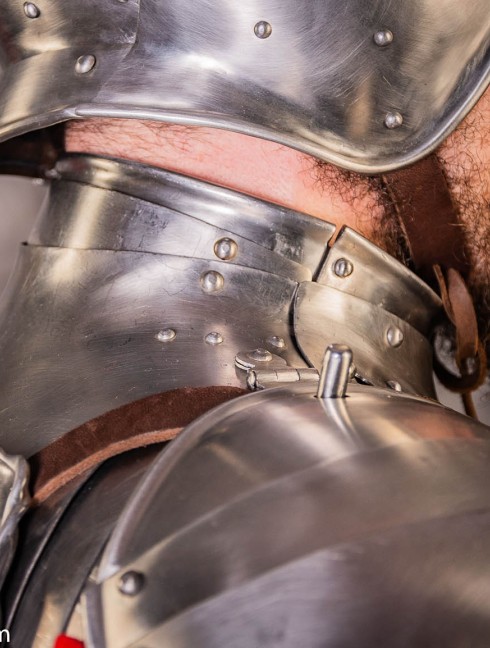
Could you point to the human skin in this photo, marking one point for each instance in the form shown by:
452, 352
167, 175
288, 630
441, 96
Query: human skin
293, 179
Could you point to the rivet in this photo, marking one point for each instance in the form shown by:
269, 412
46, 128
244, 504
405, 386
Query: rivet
393, 384
394, 336
167, 335
277, 342
131, 583
213, 338
85, 63
383, 37
263, 29
261, 355
343, 268
31, 10
393, 120
212, 281
225, 249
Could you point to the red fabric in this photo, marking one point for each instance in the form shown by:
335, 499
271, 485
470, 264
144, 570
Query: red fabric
63, 641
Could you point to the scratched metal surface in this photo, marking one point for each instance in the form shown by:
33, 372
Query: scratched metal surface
313, 75
21, 200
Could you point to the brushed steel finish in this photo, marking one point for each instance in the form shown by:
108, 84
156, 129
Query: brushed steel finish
89, 337
345, 319
73, 549
284, 481
289, 234
334, 375
109, 220
14, 500
381, 280
307, 75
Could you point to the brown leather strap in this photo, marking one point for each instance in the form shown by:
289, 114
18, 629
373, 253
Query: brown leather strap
429, 220
150, 420
428, 217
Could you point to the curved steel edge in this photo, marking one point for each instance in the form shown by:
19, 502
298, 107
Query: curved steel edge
14, 500
328, 96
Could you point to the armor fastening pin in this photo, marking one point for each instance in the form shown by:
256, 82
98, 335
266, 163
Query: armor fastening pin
335, 371
343, 268
394, 336
31, 10
131, 583
226, 249
263, 29
383, 37
85, 63
393, 120
167, 335
213, 338
212, 281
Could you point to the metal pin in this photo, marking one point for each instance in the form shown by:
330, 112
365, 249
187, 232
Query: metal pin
212, 281
226, 249
393, 120
343, 268
334, 375
85, 63
383, 37
263, 29
131, 583
31, 10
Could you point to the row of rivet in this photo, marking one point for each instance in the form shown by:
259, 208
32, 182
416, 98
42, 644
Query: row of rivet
262, 30
344, 268
214, 338
382, 38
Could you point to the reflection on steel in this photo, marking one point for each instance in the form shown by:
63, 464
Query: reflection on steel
109, 293
73, 548
342, 318
297, 508
305, 74
14, 499
334, 375
381, 280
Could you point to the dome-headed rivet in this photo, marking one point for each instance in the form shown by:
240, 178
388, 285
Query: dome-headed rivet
395, 385
212, 281
394, 336
166, 335
131, 583
263, 29
214, 338
343, 268
393, 120
383, 37
225, 249
85, 63
277, 342
31, 10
